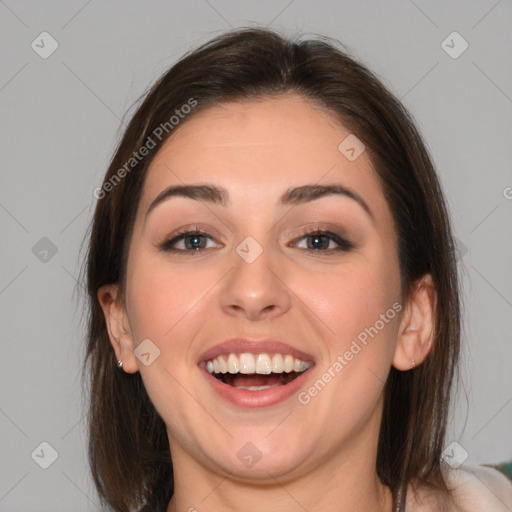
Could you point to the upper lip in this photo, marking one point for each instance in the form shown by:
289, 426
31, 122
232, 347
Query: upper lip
253, 346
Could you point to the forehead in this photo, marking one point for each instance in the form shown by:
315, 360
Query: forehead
256, 149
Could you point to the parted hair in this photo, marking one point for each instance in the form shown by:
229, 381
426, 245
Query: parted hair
128, 448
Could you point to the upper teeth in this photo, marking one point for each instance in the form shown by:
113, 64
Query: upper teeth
263, 364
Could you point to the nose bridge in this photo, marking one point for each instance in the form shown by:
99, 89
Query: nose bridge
254, 287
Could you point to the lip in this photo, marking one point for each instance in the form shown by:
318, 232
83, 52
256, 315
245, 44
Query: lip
263, 346
256, 399
264, 397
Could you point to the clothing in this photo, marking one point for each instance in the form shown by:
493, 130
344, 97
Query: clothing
481, 489
475, 489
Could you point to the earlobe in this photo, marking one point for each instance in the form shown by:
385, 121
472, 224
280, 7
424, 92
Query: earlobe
117, 325
417, 326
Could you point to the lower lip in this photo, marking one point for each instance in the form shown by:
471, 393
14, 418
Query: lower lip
260, 398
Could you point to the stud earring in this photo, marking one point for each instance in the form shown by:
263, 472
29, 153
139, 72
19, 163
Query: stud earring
119, 364
413, 363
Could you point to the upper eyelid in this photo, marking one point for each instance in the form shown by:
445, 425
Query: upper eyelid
304, 228
304, 231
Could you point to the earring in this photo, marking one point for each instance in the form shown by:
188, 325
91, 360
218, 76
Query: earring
413, 363
119, 364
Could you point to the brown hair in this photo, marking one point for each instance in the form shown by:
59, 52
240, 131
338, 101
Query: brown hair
128, 446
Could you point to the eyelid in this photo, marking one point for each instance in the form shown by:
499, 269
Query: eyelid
203, 229
312, 227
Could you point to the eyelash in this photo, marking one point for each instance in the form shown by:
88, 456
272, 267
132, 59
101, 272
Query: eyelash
343, 245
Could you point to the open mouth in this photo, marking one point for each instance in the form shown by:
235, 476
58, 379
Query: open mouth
255, 372
255, 382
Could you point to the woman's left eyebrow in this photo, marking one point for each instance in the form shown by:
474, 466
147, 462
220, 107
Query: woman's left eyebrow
297, 195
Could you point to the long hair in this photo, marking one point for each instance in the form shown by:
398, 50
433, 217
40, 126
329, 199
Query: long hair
128, 446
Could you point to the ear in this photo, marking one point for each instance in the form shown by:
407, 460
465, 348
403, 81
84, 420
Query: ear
119, 330
416, 331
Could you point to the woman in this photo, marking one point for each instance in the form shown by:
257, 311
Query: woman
271, 267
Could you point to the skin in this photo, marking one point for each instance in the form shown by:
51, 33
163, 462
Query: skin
319, 456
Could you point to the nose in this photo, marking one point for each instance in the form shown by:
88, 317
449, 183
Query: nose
256, 289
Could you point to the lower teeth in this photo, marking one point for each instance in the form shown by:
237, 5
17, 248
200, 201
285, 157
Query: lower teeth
246, 381
256, 388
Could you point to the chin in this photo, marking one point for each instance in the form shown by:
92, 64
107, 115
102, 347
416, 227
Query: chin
257, 457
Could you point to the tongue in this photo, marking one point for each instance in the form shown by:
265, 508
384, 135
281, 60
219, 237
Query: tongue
238, 380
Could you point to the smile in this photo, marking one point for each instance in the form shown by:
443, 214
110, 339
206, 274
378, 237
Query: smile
255, 372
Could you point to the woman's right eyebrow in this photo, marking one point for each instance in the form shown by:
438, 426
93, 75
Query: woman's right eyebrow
297, 195
199, 192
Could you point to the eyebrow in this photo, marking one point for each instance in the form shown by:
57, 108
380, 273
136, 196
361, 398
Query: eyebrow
291, 196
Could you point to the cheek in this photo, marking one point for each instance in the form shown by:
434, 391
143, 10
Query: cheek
348, 300
357, 305
168, 306
347, 304
162, 296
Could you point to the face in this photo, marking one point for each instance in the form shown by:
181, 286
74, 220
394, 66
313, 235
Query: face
317, 273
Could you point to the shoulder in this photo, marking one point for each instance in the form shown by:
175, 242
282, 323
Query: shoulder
473, 488
480, 489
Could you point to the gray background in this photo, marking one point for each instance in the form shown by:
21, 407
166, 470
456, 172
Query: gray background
61, 119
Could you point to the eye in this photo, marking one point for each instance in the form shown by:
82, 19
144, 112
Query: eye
193, 241
322, 239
